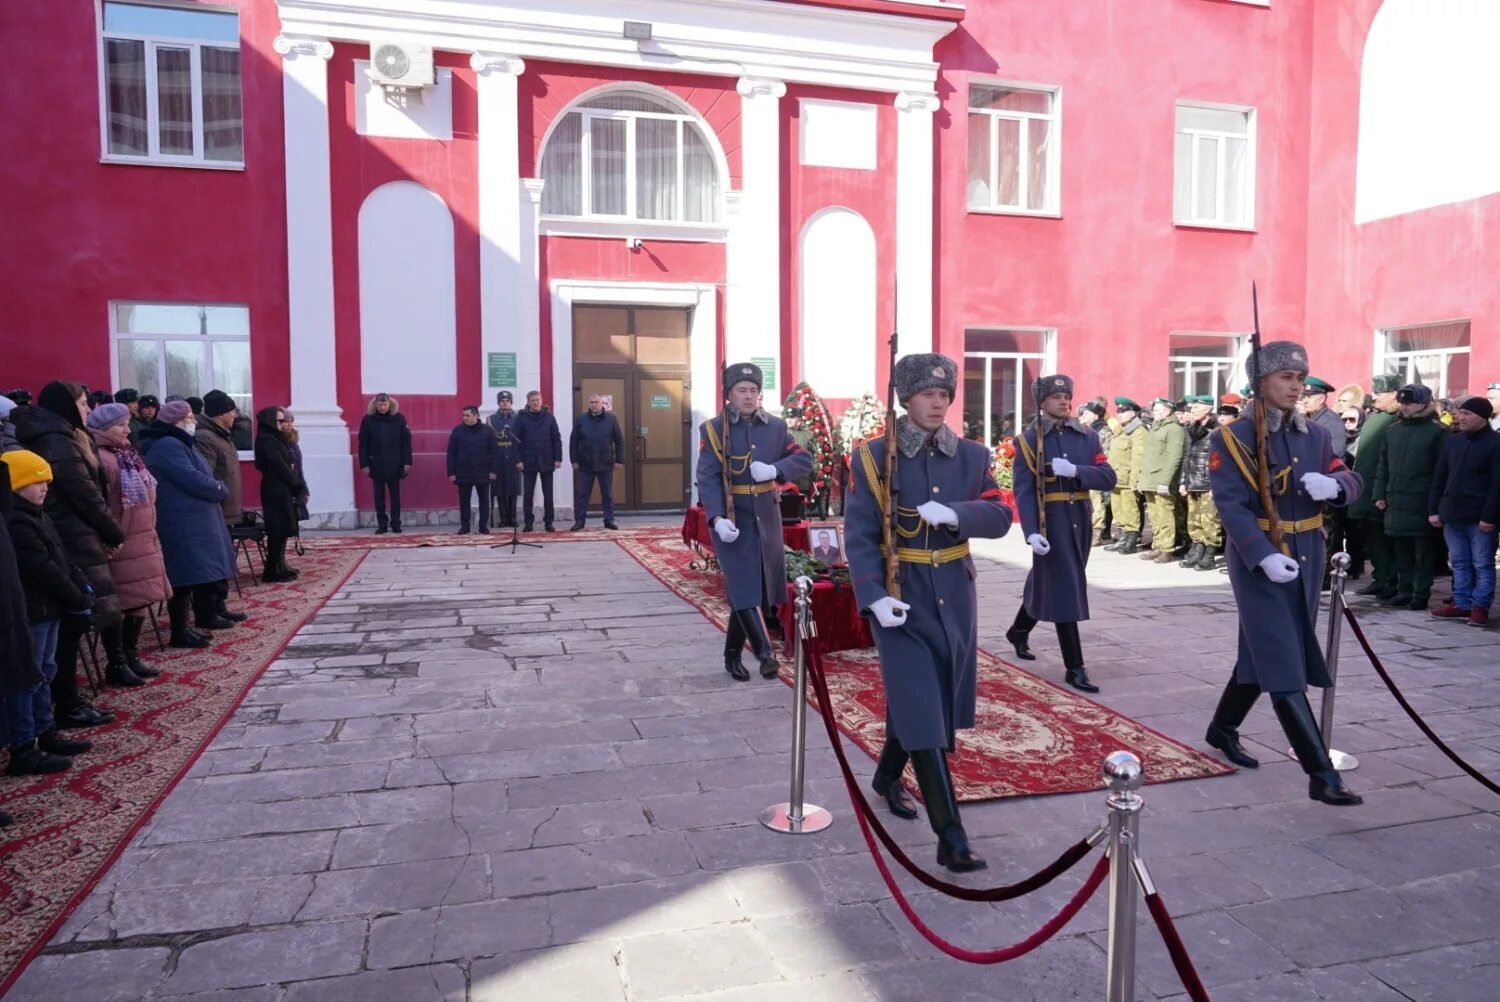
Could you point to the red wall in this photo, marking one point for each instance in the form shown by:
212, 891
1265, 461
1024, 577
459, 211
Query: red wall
1436, 264
1114, 275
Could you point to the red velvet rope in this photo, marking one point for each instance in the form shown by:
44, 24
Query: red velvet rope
867, 815
1359, 635
1180, 959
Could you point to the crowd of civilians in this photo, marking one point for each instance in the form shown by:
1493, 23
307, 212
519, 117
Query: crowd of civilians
111, 507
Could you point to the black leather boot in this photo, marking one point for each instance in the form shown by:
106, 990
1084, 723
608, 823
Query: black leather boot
936, 783
773, 620
131, 638
760, 642
30, 760
734, 645
887, 780
59, 744
1194, 554
1116, 542
1323, 780
1223, 731
1206, 560
1072, 652
1019, 633
1130, 543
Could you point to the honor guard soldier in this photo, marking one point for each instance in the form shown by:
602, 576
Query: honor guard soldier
742, 455
1126, 450
927, 632
507, 485
1277, 589
1061, 462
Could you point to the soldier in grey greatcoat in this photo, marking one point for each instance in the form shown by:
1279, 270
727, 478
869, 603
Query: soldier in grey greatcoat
760, 453
1068, 462
928, 635
1277, 590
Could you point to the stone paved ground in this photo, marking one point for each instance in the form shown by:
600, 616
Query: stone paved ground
489, 777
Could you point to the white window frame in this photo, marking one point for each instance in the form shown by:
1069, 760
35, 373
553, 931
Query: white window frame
1405, 362
1252, 154
1183, 367
1017, 359
1053, 208
116, 336
154, 156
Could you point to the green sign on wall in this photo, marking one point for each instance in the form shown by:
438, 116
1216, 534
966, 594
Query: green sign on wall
768, 369
661, 402
502, 367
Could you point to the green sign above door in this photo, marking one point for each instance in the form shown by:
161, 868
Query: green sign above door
502, 369
768, 371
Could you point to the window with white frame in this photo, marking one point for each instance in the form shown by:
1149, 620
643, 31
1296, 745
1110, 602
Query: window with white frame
1214, 166
1204, 363
1000, 366
185, 349
171, 84
1014, 134
1435, 355
630, 155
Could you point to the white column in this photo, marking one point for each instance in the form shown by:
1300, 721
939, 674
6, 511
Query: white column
754, 255
309, 238
507, 320
914, 187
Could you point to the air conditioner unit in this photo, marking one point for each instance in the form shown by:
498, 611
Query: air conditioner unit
400, 65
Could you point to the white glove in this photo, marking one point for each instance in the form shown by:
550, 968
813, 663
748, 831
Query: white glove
934, 513
1163, 489
1279, 568
1039, 544
889, 612
1320, 487
726, 530
1063, 467
761, 472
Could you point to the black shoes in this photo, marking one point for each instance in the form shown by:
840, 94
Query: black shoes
550, 527
214, 622
1078, 678
1223, 731
83, 715
1227, 740
279, 575
1019, 642
1129, 543
234, 617
887, 781
58, 745
1395, 598
189, 639
576, 526
381, 531
30, 760
1373, 588
463, 531
734, 646
119, 673
1206, 562
611, 525
396, 529
754, 628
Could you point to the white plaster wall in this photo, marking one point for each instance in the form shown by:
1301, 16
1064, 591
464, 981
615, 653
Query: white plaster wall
836, 134
837, 303
408, 340
424, 114
1429, 86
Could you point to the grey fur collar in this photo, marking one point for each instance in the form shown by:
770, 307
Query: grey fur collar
1047, 424
912, 440
1274, 418
759, 417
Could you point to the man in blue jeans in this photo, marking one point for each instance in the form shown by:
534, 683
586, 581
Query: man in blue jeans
1465, 503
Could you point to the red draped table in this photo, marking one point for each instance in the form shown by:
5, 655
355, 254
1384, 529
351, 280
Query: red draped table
840, 626
695, 532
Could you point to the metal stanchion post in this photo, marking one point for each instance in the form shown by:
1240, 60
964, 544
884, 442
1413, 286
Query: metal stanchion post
1122, 771
795, 817
1342, 761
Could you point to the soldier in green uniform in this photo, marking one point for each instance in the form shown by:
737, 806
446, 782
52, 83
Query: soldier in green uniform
1372, 520
1202, 517
1126, 449
1160, 462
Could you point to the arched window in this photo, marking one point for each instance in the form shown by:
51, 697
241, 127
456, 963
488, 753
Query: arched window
630, 155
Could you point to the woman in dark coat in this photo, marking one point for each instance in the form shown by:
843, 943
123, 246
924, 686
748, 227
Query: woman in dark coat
189, 519
78, 505
281, 485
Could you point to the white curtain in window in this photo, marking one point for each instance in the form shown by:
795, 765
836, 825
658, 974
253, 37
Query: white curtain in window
979, 193
656, 168
223, 131
126, 61
607, 166
1009, 193
1040, 139
700, 177
562, 167
174, 100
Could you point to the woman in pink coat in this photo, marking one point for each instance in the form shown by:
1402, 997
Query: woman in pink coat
136, 566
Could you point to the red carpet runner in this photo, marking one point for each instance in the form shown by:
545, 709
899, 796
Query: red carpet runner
1032, 737
70, 827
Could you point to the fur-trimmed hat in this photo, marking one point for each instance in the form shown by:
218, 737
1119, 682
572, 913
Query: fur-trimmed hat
1048, 385
1386, 382
1093, 407
743, 372
1281, 356
925, 371
504, 397
128, 395
1414, 393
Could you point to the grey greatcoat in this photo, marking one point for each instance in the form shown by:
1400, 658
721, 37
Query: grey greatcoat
929, 665
1057, 586
754, 564
1278, 643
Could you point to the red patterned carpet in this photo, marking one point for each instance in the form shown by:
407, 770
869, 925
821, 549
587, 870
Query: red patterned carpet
70, 827
595, 533
1032, 737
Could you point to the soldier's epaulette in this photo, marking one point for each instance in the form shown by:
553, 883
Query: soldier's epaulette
712, 435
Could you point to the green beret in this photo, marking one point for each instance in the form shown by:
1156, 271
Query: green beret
1163, 400
1125, 403
1386, 382
1316, 385
1202, 398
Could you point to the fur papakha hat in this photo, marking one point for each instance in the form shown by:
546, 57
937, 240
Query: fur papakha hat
926, 371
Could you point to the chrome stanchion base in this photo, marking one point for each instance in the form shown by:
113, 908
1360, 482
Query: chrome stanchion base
778, 818
1342, 761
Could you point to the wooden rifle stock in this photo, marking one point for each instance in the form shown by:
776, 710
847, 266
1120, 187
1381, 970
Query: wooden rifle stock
724, 475
1041, 478
889, 513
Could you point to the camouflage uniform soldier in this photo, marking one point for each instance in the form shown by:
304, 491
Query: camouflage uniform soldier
1126, 450
1165, 444
1091, 415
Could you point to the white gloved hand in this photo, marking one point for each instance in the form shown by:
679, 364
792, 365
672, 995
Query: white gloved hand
1163, 489
934, 513
889, 612
1039, 544
761, 472
1064, 467
726, 530
1279, 568
1320, 486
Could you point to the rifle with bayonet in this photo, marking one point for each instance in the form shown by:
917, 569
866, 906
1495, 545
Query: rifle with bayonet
890, 514
1262, 446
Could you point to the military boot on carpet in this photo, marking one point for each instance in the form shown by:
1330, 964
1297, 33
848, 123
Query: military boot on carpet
936, 784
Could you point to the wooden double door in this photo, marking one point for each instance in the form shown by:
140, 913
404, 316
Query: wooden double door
636, 357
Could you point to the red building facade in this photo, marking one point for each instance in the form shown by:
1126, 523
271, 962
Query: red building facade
212, 194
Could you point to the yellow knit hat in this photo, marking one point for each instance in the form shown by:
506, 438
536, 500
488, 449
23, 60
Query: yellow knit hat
26, 468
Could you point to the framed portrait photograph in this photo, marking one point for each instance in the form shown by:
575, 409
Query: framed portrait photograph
826, 540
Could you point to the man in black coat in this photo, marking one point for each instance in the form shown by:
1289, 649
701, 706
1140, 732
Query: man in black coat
385, 456
471, 465
538, 455
507, 483
1465, 503
595, 448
